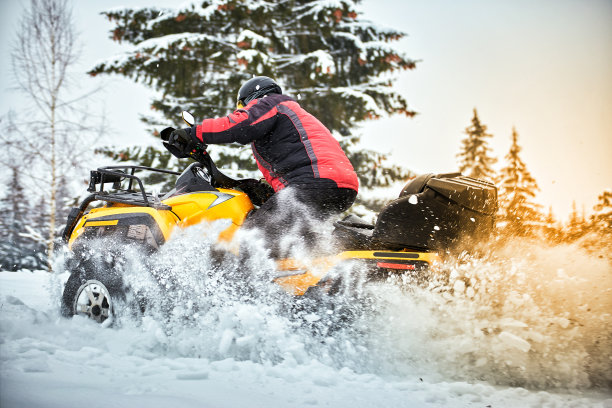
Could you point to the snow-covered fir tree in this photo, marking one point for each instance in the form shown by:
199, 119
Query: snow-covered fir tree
14, 214
517, 189
64, 200
551, 228
17, 249
323, 53
475, 158
576, 225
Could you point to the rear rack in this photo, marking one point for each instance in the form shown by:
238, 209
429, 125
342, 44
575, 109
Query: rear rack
116, 174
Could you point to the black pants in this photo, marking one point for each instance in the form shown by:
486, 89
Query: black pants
293, 211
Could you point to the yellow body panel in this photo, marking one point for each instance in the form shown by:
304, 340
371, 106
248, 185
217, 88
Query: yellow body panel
196, 207
429, 257
164, 219
299, 276
100, 223
297, 284
296, 276
187, 209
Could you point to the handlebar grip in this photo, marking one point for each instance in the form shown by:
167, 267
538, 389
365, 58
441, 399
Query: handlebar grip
176, 152
165, 134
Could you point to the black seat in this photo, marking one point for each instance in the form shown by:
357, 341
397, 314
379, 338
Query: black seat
417, 184
353, 232
354, 222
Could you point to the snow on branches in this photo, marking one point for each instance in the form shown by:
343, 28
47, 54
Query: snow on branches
196, 55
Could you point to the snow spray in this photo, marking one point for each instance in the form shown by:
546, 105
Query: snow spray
524, 315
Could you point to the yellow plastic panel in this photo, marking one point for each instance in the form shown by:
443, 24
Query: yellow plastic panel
225, 204
429, 257
301, 275
297, 284
164, 219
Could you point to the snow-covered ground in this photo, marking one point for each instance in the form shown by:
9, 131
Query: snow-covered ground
508, 332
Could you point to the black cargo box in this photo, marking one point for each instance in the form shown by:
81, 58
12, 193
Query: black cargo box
438, 212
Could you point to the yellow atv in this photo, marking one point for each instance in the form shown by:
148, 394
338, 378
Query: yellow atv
433, 213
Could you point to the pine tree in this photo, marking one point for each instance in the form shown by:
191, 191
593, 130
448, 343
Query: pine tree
14, 211
594, 234
517, 189
337, 65
64, 201
475, 158
576, 225
601, 220
551, 228
17, 250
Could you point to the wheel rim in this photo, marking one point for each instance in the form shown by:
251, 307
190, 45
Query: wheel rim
93, 300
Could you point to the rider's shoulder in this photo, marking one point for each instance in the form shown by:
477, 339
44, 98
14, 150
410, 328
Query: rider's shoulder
275, 99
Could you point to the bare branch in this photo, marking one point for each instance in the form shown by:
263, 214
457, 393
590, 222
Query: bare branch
53, 144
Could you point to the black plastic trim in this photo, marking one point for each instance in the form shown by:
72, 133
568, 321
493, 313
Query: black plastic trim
405, 255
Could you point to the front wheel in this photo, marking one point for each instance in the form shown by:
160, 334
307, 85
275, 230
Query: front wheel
95, 291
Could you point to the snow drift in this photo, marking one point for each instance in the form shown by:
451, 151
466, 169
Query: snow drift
526, 325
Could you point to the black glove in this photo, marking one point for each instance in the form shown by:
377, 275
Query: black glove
182, 142
181, 138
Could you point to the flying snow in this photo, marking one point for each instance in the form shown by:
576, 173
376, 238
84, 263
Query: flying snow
523, 326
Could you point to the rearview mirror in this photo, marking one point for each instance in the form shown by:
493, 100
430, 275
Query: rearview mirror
188, 118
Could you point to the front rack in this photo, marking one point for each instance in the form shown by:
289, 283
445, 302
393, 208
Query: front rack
116, 174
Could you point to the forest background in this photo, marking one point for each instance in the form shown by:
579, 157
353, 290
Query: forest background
550, 107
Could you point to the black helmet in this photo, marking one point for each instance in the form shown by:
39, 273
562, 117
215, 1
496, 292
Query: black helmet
256, 87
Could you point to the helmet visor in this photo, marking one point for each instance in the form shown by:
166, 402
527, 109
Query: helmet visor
239, 104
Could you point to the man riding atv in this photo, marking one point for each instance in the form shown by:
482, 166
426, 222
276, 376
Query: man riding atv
300, 159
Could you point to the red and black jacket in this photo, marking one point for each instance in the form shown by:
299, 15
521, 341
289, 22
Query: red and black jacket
291, 146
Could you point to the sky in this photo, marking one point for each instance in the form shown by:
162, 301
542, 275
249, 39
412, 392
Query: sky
542, 67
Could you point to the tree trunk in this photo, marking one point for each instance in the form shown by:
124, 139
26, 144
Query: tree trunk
52, 160
51, 238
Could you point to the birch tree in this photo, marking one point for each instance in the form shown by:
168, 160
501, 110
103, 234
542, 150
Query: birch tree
48, 137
